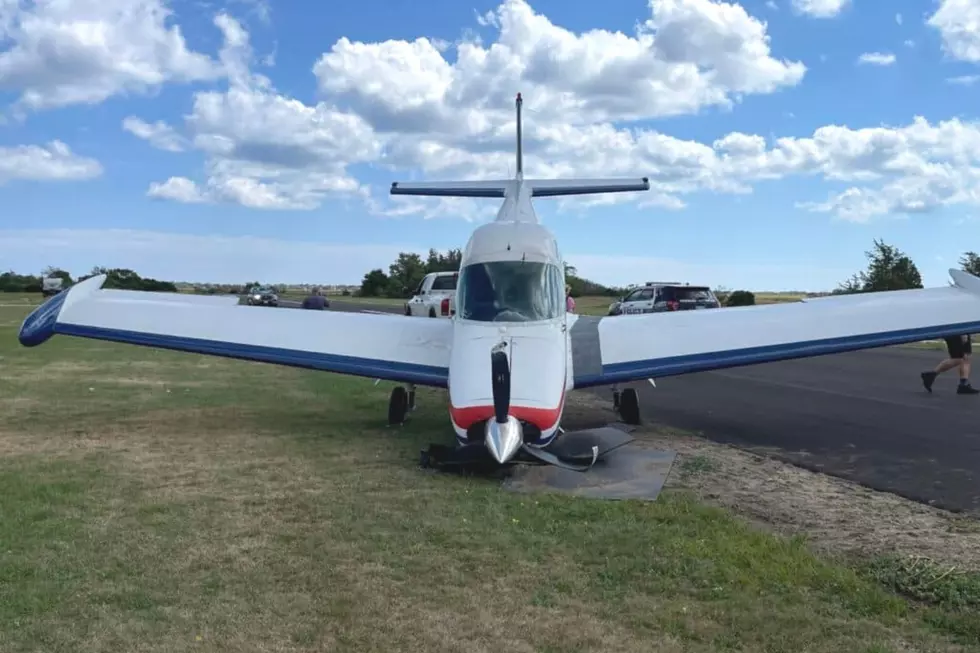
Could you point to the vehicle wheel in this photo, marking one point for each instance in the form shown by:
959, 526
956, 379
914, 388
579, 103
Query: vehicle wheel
397, 406
432, 312
408, 310
629, 406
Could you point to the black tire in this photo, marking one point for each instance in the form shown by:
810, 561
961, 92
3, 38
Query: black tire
398, 406
408, 310
432, 312
629, 406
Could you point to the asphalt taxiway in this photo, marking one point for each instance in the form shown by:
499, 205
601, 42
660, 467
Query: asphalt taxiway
863, 416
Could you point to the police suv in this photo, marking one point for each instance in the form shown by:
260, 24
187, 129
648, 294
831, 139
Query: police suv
659, 296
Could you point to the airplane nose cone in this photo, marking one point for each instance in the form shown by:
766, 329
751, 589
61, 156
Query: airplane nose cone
503, 440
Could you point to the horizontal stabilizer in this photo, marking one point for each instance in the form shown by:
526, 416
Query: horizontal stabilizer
493, 188
557, 187
539, 187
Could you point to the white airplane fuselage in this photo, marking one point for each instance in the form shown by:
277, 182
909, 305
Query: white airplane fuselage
510, 298
528, 316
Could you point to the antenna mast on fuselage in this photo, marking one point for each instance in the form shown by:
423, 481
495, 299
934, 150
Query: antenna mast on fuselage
520, 152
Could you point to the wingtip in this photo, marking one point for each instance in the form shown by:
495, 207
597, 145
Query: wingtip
965, 280
42, 322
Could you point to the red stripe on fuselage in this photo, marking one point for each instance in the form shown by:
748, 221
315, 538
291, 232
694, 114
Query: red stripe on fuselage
543, 418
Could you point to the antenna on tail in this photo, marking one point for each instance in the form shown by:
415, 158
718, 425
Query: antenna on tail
499, 188
520, 154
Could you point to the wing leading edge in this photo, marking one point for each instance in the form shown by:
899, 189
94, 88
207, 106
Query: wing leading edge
389, 347
634, 347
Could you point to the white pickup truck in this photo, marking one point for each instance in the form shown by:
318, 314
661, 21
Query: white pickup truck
435, 296
51, 286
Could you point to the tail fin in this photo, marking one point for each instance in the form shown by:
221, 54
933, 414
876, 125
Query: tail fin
520, 140
539, 188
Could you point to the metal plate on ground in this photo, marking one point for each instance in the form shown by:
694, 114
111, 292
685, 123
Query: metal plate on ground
577, 445
629, 472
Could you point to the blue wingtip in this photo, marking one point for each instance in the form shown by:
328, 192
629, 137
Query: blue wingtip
40, 324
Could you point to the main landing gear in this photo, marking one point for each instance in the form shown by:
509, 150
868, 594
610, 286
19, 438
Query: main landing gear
401, 403
627, 404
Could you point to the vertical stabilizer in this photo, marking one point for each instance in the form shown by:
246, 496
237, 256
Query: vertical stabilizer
503, 188
520, 139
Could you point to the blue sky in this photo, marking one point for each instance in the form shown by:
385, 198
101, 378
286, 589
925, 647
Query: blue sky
227, 141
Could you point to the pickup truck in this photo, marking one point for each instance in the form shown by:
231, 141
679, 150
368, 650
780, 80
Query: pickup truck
51, 286
435, 296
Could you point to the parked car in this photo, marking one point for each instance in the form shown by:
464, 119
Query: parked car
52, 286
263, 296
661, 297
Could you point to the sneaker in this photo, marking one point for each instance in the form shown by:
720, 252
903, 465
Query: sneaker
927, 380
966, 389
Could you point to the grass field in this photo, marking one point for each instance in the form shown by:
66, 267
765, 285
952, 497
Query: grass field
155, 501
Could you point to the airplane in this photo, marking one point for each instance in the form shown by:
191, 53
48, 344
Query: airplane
511, 353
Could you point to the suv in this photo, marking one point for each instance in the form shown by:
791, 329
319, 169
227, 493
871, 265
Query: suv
264, 296
660, 297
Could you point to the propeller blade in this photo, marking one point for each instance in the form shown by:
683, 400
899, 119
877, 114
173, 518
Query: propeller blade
500, 383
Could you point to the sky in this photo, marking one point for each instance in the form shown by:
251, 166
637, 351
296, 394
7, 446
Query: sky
237, 140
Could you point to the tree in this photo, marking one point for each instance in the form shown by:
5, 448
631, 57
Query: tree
374, 284
970, 262
448, 262
888, 269
405, 274
740, 298
54, 272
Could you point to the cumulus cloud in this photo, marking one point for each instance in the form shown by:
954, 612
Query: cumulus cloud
820, 8
52, 162
159, 134
877, 58
415, 111
958, 24
82, 52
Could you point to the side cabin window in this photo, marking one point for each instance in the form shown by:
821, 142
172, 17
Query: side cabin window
510, 291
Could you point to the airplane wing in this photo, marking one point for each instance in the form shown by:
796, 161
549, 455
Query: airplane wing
619, 349
390, 347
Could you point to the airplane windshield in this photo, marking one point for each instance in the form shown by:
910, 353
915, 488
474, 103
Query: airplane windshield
510, 291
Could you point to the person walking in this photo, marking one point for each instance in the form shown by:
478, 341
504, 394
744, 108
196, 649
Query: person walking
959, 349
569, 301
315, 301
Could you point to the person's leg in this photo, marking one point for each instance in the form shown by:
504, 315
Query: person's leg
964, 387
954, 347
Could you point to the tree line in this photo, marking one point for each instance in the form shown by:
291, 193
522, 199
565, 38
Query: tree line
889, 268
121, 278
407, 271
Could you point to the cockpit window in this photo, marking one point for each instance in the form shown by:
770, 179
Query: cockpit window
510, 291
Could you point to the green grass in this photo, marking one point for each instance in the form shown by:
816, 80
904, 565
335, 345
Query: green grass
157, 501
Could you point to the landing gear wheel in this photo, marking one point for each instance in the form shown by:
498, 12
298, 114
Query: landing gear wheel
629, 406
397, 406
408, 311
432, 312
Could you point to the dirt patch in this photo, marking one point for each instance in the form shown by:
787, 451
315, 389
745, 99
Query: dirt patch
836, 515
